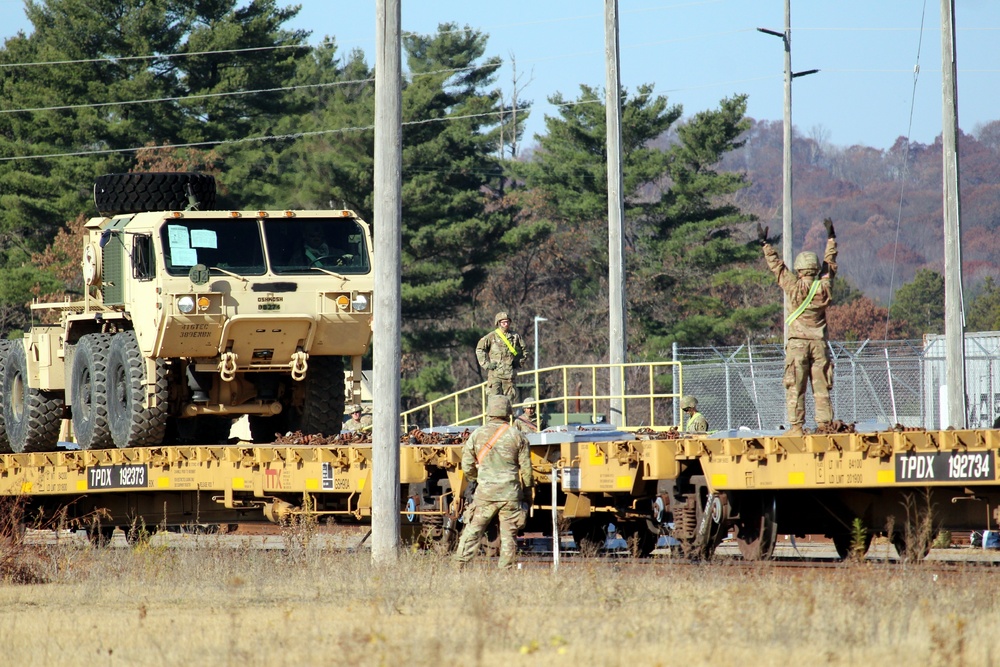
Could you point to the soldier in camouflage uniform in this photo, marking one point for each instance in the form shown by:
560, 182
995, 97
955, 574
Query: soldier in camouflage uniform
497, 458
526, 422
500, 352
807, 358
357, 422
696, 421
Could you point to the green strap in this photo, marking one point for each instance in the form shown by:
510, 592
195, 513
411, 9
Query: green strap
506, 342
805, 304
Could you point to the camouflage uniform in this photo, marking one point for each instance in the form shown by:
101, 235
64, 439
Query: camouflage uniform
500, 360
696, 421
806, 355
526, 423
502, 472
353, 424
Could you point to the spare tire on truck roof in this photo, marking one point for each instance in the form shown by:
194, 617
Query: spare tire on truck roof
115, 194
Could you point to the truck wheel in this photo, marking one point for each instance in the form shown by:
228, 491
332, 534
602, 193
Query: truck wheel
4, 347
133, 424
322, 409
89, 395
31, 416
154, 191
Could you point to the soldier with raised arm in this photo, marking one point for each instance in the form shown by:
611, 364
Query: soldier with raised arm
807, 358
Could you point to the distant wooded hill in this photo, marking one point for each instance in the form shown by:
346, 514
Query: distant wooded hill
887, 204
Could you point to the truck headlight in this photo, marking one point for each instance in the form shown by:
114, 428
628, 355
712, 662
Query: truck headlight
360, 303
185, 304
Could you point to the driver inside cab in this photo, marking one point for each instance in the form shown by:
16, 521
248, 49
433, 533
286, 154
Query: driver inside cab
316, 250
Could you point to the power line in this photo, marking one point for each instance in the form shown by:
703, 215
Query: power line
273, 137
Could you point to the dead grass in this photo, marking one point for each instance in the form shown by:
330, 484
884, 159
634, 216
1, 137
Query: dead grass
159, 606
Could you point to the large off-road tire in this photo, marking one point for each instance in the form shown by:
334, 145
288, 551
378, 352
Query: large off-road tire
322, 409
31, 417
4, 347
89, 392
133, 423
153, 191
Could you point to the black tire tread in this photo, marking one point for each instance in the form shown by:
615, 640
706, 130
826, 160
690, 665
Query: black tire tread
134, 424
115, 194
323, 408
41, 415
97, 434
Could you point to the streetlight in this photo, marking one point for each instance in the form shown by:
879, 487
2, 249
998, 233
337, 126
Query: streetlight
538, 318
786, 202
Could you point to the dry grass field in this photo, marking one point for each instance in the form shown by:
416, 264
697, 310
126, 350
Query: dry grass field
152, 605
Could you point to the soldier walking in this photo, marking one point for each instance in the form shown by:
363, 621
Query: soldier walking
497, 458
807, 358
500, 352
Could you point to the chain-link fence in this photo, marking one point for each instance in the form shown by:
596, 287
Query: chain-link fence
886, 382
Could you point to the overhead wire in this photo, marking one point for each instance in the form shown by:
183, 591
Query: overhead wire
902, 179
274, 137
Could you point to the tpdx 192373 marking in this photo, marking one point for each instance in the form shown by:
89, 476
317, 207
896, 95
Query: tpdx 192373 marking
945, 467
117, 477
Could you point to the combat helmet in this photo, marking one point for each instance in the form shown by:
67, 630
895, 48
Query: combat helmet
689, 402
498, 406
806, 261
351, 409
502, 315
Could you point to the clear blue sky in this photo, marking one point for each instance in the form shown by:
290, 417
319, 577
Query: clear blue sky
699, 51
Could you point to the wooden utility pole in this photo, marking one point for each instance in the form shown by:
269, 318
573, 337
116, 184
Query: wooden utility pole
787, 250
786, 159
388, 271
954, 312
616, 210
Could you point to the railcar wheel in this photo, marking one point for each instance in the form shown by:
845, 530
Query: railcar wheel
133, 422
590, 536
89, 397
31, 416
756, 531
641, 541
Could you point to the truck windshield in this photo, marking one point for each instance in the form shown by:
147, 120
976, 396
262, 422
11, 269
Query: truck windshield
303, 245
224, 243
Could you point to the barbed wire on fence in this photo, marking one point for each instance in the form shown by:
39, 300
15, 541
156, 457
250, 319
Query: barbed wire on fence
875, 382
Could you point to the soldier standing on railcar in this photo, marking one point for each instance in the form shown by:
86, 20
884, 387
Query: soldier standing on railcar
496, 457
527, 422
696, 421
500, 352
807, 358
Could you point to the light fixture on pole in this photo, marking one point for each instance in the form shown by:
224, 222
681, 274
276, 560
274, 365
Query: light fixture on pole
538, 318
786, 202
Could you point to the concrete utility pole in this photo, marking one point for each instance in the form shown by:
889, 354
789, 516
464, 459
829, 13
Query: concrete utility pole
616, 209
954, 312
388, 271
787, 251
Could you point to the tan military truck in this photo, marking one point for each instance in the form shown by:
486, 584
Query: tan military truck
193, 317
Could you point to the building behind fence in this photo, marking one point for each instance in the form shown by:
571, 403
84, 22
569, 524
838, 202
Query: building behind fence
875, 382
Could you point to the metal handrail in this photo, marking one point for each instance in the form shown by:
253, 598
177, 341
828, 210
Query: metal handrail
467, 407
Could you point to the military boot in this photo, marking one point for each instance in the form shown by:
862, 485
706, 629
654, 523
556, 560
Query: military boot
794, 431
